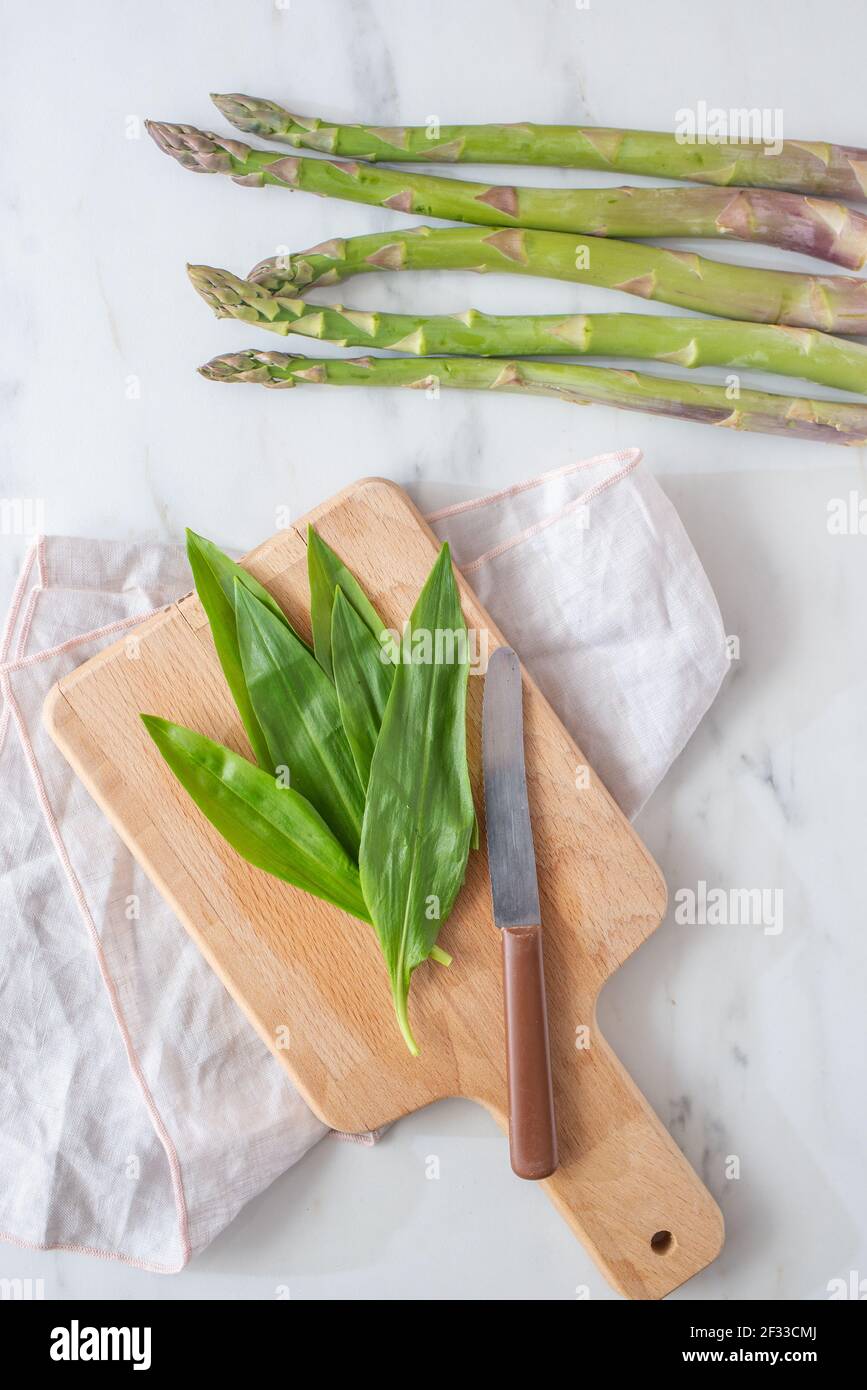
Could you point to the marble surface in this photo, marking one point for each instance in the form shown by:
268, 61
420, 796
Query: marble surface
748, 1044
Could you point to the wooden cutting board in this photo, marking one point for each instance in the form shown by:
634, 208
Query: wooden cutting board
311, 980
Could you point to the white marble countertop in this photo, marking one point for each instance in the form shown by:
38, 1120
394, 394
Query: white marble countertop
746, 1044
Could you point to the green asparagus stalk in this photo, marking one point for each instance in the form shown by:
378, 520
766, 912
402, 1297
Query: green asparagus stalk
833, 422
803, 166
834, 303
827, 230
688, 342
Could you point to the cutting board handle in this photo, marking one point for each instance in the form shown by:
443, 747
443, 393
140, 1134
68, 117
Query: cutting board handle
622, 1184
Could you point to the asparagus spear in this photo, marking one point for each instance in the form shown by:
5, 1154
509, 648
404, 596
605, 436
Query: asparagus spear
827, 230
833, 422
804, 166
834, 303
688, 342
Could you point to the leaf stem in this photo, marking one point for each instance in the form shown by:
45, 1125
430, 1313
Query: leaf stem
400, 995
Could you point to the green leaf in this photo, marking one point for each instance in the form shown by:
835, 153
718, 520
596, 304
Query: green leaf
362, 681
419, 816
297, 710
214, 575
327, 572
272, 827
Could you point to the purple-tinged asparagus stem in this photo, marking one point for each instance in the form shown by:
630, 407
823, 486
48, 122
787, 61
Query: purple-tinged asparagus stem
802, 166
813, 226
831, 422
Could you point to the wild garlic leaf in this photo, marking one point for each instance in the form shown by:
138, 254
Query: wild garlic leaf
419, 815
296, 707
272, 827
326, 573
214, 575
362, 681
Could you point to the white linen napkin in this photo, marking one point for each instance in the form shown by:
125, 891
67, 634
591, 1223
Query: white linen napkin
139, 1111
591, 577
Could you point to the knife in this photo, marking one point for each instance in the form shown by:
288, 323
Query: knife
515, 893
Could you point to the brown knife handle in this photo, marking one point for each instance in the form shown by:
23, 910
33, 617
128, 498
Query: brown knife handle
532, 1130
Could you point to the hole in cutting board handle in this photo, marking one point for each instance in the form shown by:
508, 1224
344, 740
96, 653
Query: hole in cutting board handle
662, 1242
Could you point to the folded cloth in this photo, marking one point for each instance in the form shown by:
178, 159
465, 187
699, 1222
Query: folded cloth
590, 575
139, 1111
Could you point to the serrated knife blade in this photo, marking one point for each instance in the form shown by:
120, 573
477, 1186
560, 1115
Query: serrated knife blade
515, 896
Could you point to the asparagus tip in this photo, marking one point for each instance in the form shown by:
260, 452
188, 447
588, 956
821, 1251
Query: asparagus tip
231, 107
162, 133
251, 114
230, 297
197, 150
205, 282
201, 274
251, 364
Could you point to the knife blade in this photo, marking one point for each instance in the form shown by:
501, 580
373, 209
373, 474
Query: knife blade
515, 896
